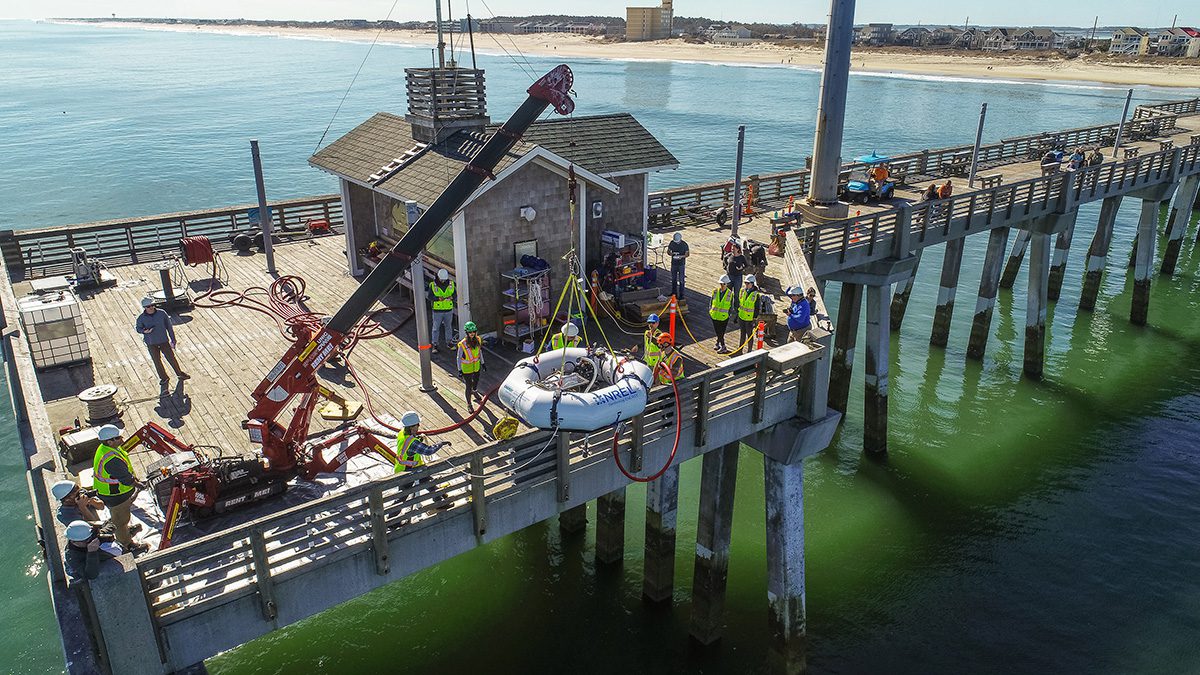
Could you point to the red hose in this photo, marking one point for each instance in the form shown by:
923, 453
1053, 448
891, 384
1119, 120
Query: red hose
196, 250
678, 428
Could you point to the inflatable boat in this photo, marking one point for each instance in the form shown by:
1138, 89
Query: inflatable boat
576, 389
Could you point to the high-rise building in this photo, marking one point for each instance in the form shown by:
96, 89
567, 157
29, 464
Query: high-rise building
649, 23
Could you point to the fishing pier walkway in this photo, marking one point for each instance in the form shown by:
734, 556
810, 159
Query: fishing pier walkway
216, 591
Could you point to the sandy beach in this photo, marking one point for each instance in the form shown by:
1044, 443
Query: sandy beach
1096, 69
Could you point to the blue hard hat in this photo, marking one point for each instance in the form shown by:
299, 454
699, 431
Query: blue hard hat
653, 318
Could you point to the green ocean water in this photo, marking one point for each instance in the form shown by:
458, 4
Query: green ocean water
1014, 527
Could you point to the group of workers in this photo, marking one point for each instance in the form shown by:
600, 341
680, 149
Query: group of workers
722, 304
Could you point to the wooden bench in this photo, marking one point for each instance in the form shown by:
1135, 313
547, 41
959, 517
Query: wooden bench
660, 215
1195, 139
957, 167
1163, 146
1130, 153
637, 305
990, 181
1050, 168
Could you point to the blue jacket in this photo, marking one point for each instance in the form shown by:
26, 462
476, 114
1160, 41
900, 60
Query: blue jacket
161, 330
800, 315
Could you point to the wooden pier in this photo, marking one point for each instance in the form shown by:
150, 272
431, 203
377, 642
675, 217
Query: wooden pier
217, 591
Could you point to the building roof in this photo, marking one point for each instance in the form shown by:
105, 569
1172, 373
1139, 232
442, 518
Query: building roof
600, 144
1130, 30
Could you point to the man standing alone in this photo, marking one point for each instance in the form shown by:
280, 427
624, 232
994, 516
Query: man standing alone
443, 311
155, 327
678, 249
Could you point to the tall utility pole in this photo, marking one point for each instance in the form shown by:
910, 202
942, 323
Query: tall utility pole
737, 182
264, 214
978, 142
1121, 126
831, 109
441, 45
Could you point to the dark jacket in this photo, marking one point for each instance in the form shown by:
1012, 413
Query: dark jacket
159, 323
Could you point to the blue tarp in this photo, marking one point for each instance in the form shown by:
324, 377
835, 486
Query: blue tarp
872, 158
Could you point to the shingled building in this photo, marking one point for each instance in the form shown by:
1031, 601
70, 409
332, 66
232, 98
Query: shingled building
392, 168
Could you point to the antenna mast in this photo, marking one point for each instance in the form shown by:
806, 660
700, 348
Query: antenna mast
441, 47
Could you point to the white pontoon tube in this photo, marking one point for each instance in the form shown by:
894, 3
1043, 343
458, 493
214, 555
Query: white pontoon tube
591, 392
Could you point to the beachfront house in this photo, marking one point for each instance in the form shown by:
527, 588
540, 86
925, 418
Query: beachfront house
529, 27
649, 23
391, 168
966, 38
1184, 42
1021, 39
729, 35
1129, 41
875, 34
916, 36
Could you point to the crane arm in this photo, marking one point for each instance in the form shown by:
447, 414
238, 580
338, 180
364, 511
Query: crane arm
295, 373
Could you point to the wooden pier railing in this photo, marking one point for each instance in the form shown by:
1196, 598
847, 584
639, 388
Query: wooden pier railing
842, 244
47, 251
461, 502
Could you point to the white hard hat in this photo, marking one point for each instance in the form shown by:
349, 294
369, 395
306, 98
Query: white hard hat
79, 530
750, 279
570, 329
107, 432
410, 418
677, 237
146, 302
443, 275
62, 488
724, 279
795, 290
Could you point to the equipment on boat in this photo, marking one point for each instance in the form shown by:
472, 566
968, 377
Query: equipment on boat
576, 389
286, 450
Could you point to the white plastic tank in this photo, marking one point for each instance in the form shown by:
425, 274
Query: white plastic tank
53, 324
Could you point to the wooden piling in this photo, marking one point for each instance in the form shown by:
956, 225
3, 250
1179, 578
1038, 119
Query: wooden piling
1058, 266
1143, 260
610, 527
1035, 308
1020, 242
1177, 224
879, 339
662, 504
1098, 253
783, 485
573, 520
951, 264
989, 284
714, 529
849, 309
903, 292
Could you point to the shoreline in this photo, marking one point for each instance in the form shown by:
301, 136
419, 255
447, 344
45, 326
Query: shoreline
1019, 69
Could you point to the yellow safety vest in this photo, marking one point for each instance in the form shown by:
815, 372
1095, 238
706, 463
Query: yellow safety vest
671, 371
747, 305
104, 483
443, 298
653, 351
406, 459
721, 302
558, 341
470, 357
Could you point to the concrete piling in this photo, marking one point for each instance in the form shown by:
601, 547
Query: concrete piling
989, 284
784, 489
714, 529
1177, 224
573, 520
849, 309
951, 264
662, 505
1098, 253
903, 292
610, 527
879, 339
1036, 303
1020, 242
1058, 266
1143, 260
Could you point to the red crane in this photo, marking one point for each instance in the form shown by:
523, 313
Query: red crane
217, 484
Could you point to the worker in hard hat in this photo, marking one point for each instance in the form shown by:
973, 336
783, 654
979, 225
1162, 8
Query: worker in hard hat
718, 310
411, 450
670, 368
157, 331
81, 557
653, 354
567, 337
747, 309
442, 328
116, 485
470, 361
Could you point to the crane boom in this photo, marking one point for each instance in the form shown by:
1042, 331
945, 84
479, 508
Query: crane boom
295, 374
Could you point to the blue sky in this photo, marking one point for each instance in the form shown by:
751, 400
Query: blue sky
1151, 13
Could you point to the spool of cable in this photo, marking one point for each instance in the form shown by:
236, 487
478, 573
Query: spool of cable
100, 403
196, 250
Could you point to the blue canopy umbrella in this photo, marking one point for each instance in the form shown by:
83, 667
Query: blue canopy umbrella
872, 158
